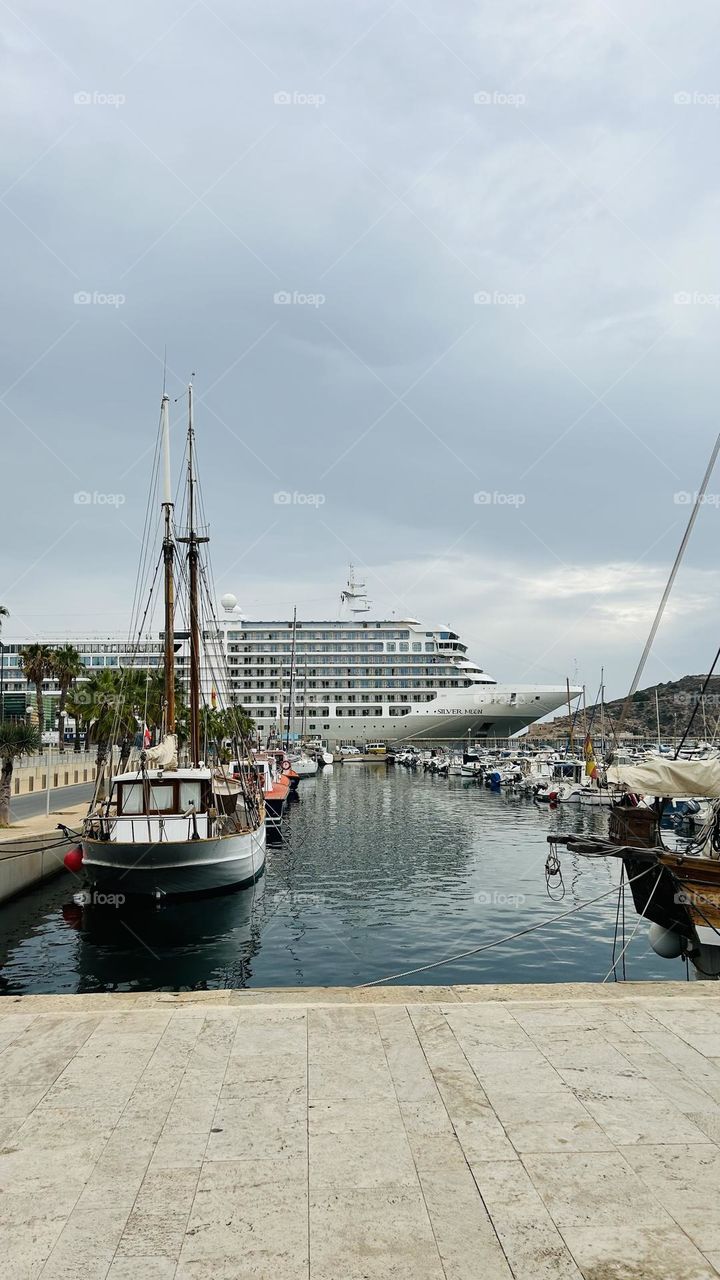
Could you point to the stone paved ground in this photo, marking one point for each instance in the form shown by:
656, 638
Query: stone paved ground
398, 1134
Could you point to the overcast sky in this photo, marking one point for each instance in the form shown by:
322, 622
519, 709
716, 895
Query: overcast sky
497, 226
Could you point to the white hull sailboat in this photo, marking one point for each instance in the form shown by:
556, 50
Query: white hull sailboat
164, 829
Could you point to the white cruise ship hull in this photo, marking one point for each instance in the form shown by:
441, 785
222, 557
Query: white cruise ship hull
174, 867
498, 711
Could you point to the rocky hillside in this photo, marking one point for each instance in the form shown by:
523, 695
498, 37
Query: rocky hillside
676, 701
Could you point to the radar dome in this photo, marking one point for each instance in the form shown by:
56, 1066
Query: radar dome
229, 602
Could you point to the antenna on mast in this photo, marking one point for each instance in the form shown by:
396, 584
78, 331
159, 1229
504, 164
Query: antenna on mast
354, 594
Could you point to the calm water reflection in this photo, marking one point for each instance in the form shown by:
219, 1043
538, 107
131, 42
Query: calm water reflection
379, 873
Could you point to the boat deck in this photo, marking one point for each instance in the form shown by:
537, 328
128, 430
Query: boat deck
405, 1133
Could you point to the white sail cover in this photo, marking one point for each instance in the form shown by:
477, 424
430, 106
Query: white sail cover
661, 777
164, 755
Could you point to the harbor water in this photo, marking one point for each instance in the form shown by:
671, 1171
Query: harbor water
379, 872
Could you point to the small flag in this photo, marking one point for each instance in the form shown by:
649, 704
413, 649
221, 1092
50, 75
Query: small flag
147, 737
591, 768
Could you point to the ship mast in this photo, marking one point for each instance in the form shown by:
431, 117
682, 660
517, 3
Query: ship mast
168, 557
193, 541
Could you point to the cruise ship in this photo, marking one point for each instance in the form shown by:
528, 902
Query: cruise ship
354, 679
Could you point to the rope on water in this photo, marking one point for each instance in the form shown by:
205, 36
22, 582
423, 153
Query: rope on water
486, 946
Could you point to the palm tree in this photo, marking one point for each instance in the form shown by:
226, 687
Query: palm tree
66, 665
36, 662
17, 738
77, 703
110, 711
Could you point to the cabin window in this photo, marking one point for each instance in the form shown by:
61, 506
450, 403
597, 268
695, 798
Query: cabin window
160, 798
189, 794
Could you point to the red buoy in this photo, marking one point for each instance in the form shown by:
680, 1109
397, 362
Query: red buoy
73, 859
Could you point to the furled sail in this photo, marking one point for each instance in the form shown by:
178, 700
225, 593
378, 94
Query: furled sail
662, 777
164, 755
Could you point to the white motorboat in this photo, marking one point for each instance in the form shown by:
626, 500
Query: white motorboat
165, 829
304, 765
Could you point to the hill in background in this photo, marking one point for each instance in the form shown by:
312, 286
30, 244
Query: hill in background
676, 701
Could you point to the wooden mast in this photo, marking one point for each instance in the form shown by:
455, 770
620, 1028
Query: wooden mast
168, 557
193, 541
194, 612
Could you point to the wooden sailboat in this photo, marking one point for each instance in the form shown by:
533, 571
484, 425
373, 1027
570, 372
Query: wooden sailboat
676, 890
166, 829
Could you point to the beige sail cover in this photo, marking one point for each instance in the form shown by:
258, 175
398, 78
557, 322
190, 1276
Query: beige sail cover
164, 755
661, 777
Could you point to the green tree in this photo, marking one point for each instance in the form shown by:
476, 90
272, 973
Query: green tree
37, 666
220, 724
77, 704
66, 665
16, 739
109, 711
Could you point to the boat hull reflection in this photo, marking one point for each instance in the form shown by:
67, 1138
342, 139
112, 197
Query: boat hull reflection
180, 945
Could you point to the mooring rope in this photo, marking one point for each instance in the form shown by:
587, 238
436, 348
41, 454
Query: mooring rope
486, 946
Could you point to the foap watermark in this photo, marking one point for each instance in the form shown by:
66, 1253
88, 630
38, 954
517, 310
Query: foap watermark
485, 498
83, 498
91, 898
94, 98
696, 899
688, 298
285, 499
694, 700
83, 298
283, 298
684, 499
694, 98
512, 699
285, 98
498, 299
484, 98
499, 899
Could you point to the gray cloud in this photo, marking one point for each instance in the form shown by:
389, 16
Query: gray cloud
578, 186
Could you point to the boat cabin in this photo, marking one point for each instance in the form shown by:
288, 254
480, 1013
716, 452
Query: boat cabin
160, 804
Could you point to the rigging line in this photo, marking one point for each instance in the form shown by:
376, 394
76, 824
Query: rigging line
698, 702
124, 681
139, 579
624, 969
699, 496
621, 892
641, 917
486, 946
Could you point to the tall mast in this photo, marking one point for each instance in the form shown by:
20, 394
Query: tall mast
194, 611
168, 557
193, 541
291, 709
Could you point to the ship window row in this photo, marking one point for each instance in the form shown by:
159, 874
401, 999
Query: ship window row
311, 708
354, 673
390, 647
365, 674
354, 684
315, 635
262, 659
